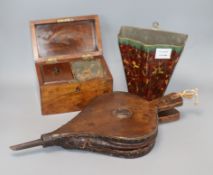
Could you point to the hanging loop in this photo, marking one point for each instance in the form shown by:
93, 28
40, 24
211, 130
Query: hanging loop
155, 25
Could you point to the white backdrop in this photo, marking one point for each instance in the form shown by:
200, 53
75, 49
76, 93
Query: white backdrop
183, 147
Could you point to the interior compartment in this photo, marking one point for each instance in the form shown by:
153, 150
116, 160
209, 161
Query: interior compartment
87, 69
152, 37
78, 70
56, 72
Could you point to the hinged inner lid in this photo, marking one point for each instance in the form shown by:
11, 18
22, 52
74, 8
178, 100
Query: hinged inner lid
66, 38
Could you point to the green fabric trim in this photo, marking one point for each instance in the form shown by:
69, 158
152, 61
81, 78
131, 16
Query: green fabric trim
146, 47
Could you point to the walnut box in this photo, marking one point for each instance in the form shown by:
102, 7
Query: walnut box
69, 63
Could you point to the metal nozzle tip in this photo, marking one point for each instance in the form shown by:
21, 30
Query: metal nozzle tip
14, 148
27, 145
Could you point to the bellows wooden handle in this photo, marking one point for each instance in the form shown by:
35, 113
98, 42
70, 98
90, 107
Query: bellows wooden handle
166, 104
170, 101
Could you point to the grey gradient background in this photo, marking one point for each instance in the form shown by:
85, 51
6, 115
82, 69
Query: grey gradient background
183, 147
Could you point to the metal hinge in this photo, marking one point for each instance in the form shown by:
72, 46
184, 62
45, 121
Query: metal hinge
87, 57
65, 20
51, 60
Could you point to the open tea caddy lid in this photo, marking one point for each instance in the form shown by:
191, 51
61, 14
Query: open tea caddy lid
66, 38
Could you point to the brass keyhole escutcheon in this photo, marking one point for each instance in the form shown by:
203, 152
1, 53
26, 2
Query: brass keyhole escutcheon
77, 89
56, 70
122, 113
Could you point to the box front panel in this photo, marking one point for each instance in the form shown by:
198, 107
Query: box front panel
72, 97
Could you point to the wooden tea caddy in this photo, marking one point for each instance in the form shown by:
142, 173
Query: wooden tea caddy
119, 124
69, 63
